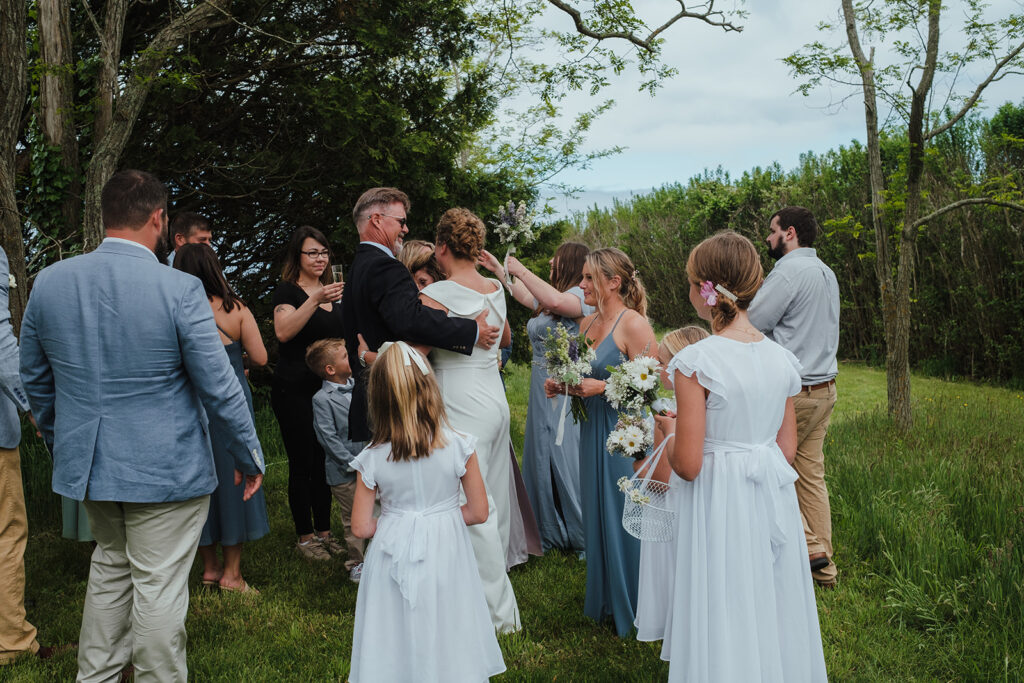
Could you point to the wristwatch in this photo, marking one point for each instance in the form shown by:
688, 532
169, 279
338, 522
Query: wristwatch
362, 357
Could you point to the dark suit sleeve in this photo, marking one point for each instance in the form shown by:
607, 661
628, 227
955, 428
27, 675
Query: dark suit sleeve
215, 381
399, 304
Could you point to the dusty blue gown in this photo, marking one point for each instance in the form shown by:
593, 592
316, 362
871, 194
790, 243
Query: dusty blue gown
613, 556
551, 473
231, 520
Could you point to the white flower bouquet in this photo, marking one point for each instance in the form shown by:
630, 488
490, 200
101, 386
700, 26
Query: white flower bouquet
633, 385
631, 437
632, 491
568, 362
514, 227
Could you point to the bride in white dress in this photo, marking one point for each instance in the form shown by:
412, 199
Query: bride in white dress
475, 399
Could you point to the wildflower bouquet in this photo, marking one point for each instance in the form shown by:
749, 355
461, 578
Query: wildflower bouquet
631, 437
514, 227
633, 385
568, 361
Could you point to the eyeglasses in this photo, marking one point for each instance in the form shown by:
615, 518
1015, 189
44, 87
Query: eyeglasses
315, 254
401, 220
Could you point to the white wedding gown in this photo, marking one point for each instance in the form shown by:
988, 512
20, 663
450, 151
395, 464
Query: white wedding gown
474, 399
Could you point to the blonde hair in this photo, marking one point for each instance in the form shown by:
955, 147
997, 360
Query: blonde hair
405, 406
463, 232
321, 353
605, 264
415, 252
675, 341
729, 259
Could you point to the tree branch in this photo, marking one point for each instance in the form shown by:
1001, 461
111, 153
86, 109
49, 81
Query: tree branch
708, 16
972, 100
965, 202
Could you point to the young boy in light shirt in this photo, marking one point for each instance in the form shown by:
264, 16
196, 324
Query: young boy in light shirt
328, 358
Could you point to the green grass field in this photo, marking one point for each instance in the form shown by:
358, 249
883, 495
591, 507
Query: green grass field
928, 529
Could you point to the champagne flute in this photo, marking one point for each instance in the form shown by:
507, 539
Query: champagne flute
337, 274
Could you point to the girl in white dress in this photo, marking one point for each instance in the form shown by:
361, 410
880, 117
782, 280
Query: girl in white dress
420, 612
743, 605
474, 397
658, 560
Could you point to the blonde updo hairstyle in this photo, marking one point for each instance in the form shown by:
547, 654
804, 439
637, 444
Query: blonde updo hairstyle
729, 259
462, 232
609, 262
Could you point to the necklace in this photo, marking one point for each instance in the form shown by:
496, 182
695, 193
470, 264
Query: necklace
750, 332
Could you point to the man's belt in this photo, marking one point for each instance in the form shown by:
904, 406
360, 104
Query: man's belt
811, 387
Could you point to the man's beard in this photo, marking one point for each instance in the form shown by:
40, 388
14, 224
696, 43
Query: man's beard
163, 247
776, 252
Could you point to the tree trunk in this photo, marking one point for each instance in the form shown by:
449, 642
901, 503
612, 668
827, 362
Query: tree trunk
113, 136
13, 84
56, 100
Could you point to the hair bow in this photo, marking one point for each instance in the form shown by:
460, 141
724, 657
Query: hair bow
409, 355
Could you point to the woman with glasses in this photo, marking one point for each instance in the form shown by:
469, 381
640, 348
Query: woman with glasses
305, 311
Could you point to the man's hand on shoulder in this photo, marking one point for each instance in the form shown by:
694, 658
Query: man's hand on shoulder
486, 334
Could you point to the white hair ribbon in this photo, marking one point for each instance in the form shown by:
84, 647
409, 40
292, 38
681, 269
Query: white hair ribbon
408, 354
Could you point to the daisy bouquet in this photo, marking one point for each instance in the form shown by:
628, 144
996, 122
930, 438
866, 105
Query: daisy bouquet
568, 361
633, 385
631, 437
514, 227
632, 491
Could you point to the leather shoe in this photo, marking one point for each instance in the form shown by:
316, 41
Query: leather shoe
819, 561
46, 652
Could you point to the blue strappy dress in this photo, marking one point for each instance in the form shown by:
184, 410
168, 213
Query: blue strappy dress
231, 520
613, 556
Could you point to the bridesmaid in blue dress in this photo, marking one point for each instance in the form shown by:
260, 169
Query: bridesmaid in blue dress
231, 521
551, 473
619, 330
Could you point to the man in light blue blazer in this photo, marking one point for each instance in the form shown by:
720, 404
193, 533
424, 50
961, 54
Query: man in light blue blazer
17, 636
122, 363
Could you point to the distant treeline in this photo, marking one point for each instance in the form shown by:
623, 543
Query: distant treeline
968, 298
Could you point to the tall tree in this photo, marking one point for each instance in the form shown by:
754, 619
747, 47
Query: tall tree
909, 31
13, 84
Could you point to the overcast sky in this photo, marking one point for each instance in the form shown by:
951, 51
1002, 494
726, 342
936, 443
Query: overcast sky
733, 103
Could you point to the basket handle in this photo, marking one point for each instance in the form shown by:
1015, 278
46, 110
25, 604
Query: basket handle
652, 463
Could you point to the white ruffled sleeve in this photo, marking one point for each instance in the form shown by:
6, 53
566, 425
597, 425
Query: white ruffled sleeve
364, 465
793, 370
694, 360
464, 446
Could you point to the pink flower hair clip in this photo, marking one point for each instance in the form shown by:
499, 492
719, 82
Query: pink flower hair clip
710, 291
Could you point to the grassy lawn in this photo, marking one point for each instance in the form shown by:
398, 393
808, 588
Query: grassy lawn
928, 528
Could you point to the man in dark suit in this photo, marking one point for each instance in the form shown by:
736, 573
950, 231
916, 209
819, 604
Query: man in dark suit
381, 301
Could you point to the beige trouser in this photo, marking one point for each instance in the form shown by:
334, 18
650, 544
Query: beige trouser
813, 411
137, 598
17, 636
345, 493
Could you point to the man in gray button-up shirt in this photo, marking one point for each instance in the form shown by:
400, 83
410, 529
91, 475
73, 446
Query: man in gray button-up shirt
798, 307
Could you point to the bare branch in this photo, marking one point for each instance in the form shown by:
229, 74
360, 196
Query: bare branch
993, 76
708, 16
965, 202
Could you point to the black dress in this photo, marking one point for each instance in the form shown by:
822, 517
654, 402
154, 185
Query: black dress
291, 398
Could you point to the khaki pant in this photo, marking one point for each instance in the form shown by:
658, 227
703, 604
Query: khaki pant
17, 636
813, 412
345, 494
137, 598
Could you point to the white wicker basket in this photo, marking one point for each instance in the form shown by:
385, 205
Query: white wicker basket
648, 513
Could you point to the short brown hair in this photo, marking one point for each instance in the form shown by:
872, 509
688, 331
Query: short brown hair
405, 406
378, 197
801, 220
188, 222
729, 259
606, 263
320, 353
462, 232
129, 198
